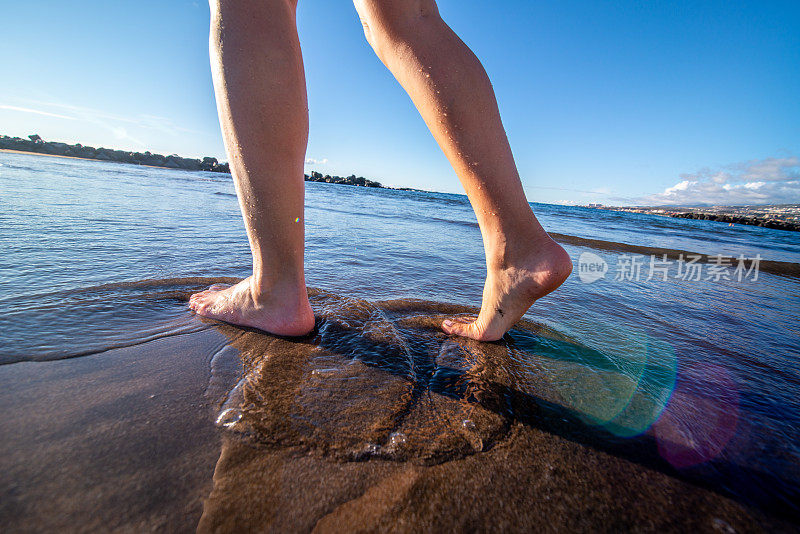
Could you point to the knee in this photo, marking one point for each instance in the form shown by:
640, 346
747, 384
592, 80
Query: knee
246, 23
389, 21
244, 7
215, 4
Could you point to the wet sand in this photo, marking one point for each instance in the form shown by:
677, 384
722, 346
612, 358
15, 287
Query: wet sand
119, 441
377, 422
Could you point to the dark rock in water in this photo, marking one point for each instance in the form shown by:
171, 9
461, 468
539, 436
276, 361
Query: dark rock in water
209, 164
80, 151
350, 180
155, 160
762, 218
191, 164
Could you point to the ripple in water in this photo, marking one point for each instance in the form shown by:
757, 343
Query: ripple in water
78, 322
380, 380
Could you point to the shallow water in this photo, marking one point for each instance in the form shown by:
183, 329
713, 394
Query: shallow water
703, 372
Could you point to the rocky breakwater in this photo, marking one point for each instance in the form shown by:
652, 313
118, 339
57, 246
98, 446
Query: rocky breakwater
776, 216
349, 180
741, 219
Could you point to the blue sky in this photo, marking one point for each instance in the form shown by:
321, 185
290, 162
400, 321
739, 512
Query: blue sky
613, 102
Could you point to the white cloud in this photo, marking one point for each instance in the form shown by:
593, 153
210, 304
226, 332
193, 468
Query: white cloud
35, 112
721, 177
766, 181
755, 185
313, 161
771, 169
681, 186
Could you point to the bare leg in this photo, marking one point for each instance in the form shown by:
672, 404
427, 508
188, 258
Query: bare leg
261, 98
453, 94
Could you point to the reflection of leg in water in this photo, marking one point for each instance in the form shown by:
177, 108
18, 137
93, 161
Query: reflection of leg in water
455, 98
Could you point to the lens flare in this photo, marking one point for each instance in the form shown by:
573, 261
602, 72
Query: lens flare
701, 417
611, 376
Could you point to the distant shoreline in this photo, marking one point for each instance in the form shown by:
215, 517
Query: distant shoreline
28, 153
35, 145
788, 217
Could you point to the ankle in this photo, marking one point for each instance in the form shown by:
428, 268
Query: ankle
516, 249
288, 290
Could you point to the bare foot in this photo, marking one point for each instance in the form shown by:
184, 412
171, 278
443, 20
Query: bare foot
282, 311
510, 290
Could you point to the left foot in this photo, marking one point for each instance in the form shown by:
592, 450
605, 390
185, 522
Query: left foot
283, 310
510, 290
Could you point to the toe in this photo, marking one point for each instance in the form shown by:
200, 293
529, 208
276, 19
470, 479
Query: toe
196, 296
466, 328
458, 327
199, 304
218, 287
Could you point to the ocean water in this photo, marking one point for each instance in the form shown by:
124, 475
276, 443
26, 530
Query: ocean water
703, 368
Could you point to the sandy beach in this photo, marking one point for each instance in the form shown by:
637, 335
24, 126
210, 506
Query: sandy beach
122, 440
125, 440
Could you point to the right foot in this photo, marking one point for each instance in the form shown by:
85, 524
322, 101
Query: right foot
281, 311
511, 289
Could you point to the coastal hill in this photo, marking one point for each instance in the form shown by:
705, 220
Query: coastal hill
37, 145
